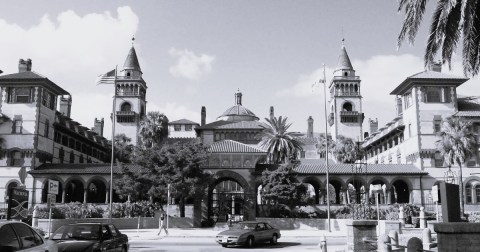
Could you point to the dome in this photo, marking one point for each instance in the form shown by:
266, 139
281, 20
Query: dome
238, 113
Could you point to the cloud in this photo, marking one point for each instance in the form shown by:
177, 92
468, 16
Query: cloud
306, 85
176, 111
72, 50
189, 65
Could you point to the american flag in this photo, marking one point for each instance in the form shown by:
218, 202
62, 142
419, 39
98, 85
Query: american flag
107, 78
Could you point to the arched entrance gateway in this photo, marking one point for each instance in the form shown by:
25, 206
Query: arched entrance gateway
230, 198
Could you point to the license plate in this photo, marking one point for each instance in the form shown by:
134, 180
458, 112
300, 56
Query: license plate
225, 239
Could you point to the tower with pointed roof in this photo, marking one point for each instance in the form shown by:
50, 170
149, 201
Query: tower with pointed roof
130, 97
346, 117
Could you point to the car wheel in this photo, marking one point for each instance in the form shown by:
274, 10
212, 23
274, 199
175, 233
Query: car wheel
250, 242
224, 245
273, 241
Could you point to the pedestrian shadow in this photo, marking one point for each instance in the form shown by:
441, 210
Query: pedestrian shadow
269, 246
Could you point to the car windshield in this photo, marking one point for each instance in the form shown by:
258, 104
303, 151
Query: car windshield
77, 232
244, 226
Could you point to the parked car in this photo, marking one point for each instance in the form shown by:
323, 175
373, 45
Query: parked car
18, 236
248, 233
90, 237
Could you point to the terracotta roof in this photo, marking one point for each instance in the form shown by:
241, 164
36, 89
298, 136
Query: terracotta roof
212, 125
132, 61
76, 128
430, 78
183, 121
316, 166
243, 125
79, 169
28, 78
467, 114
343, 60
230, 146
238, 110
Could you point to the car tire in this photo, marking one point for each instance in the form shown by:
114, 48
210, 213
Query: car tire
250, 242
273, 241
224, 245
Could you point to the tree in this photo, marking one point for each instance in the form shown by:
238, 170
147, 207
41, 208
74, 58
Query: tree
123, 148
346, 150
154, 168
457, 144
153, 129
451, 21
321, 145
280, 187
279, 143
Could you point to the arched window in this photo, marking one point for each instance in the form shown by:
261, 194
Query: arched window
472, 192
16, 158
347, 106
126, 107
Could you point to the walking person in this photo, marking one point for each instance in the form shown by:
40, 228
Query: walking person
162, 224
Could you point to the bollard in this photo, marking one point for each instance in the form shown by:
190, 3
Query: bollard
423, 221
427, 238
394, 239
401, 216
323, 244
383, 243
35, 217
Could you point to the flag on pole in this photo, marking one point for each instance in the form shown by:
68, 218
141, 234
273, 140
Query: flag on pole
316, 84
107, 78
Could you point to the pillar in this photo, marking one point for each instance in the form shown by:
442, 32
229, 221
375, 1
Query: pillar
389, 196
63, 195
321, 193
85, 193
344, 195
107, 194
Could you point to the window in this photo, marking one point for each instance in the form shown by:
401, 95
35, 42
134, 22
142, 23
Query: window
437, 125
20, 95
408, 100
81, 159
26, 235
48, 99
188, 127
177, 127
17, 126
16, 158
409, 130
347, 106
58, 137
72, 158
438, 159
126, 107
9, 238
61, 155
47, 128
468, 193
432, 94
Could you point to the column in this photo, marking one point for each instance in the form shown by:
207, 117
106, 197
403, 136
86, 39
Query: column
344, 195
107, 194
389, 196
85, 192
63, 195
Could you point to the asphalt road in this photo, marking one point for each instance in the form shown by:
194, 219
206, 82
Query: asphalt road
203, 244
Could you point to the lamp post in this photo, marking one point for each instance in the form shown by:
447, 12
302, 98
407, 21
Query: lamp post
326, 147
449, 176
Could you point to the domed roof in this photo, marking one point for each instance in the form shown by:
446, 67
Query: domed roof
238, 112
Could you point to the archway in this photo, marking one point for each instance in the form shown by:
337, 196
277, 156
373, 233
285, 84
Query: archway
227, 200
400, 192
313, 189
96, 191
335, 188
74, 191
356, 191
381, 196
347, 106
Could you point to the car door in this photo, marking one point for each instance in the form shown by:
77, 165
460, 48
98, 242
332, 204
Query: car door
260, 232
9, 238
116, 238
107, 239
29, 239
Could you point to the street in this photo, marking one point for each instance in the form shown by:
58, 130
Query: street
208, 244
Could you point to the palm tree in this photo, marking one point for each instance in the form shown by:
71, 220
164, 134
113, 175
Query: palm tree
279, 143
452, 20
123, 148
457, 144
345, 150
321, 145
153, 129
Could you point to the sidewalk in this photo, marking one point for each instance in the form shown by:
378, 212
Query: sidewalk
151, 234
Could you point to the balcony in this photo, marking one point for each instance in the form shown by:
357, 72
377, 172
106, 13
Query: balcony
340, 93
346, 77
351, 117
126, 116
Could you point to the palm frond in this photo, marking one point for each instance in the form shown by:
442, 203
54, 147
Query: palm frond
414, 10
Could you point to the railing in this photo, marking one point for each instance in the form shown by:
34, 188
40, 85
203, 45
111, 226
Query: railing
346, 77
126, 116
340, 93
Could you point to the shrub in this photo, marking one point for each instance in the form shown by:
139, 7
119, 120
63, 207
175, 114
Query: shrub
474, 217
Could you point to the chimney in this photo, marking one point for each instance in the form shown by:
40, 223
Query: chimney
66, 105
24, 65
98, 127
436, 66
203, 116
310, 127
373, 125
272, 113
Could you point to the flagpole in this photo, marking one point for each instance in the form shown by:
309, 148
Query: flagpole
326, 147
113, 141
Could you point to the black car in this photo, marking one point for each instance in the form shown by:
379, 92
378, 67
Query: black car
90, 237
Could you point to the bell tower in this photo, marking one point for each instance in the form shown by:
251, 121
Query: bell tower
346, 115
130, 104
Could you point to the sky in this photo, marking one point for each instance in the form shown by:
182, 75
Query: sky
199, 53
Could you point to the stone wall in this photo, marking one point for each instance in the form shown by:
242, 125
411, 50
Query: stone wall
305, 224
458, 236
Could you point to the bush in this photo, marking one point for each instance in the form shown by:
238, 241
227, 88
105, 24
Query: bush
473, 217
